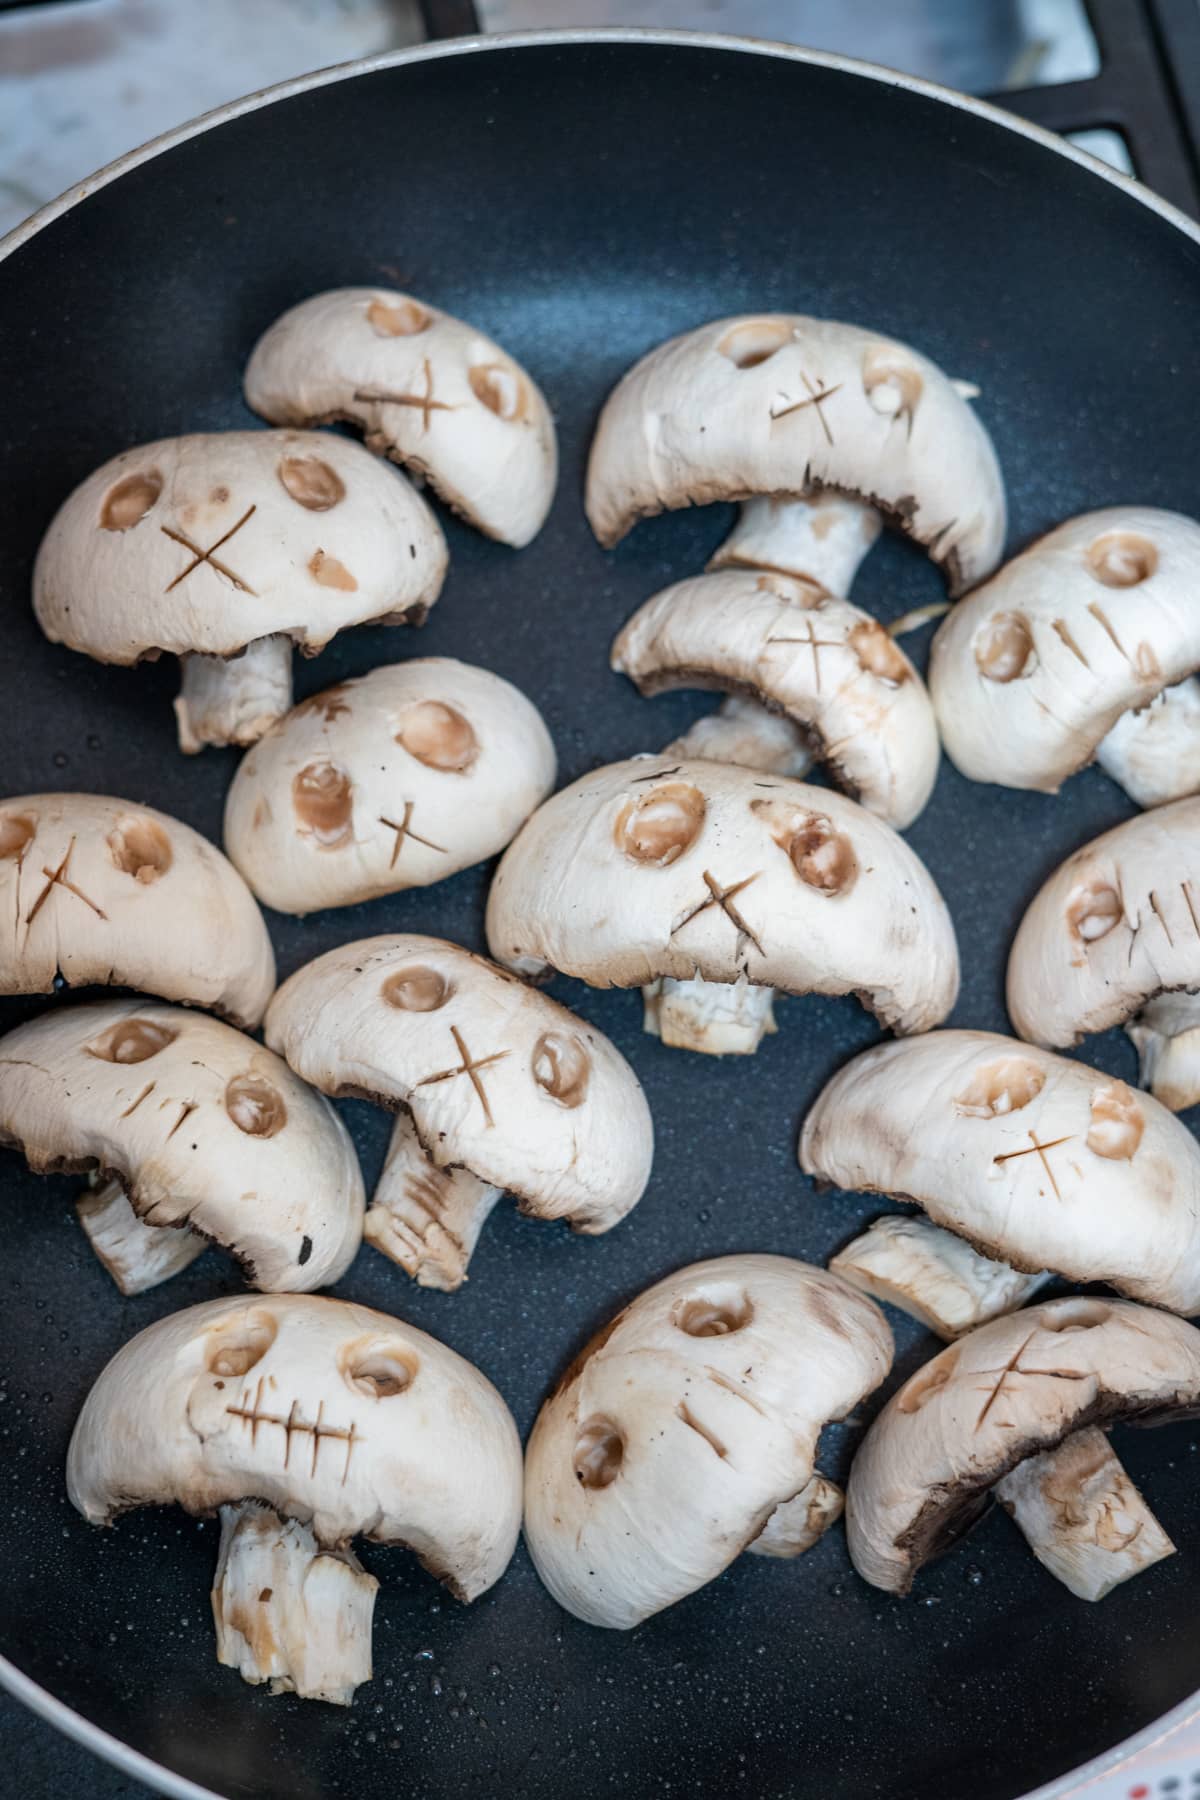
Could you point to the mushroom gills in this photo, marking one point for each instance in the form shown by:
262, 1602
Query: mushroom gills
427, 1219
797, 1524
1153, 751
745, 732
1166, 1034
717, 1018
137, 1256
1082, 1516
820, 541
288, 1612
933, 1275
234, 700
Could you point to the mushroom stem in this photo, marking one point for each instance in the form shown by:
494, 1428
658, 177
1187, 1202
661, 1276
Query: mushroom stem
137, 1256
234, 700
932, 1275
741, 731
1082, 1516
1166, 1034
820, 541
718, 1018
287, 1611
796, 1524
1153, 751
425, 1218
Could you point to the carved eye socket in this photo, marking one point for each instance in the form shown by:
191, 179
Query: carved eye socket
311, 482
1004, 649
659, 826
398, 318
141, 848
439, 736
237, 1344
127, 504
1093, 910
131, 1041
891, 384
717, 1313
499, 388
379, 1369
255, 1105
416, 988
876, 650
562, 1067
323, 804
927, 1383
17, 832
1000, 1087
1073, 1315
755, 341
1122, 559
599, 1452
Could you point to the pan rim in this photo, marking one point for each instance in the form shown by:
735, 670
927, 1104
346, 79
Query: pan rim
21, 1686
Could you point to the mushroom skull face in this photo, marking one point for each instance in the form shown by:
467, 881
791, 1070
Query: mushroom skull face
333, 1414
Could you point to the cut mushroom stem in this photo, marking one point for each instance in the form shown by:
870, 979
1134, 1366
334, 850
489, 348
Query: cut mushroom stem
797, 1524
427, 1219
287, 1611
717, 1018
236, 699
1082, 1517
1153, 751
820, 541
1167, 1035
742, 731
933, 1275
136, 1255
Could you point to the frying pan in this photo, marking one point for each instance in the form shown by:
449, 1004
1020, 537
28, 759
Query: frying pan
581, 197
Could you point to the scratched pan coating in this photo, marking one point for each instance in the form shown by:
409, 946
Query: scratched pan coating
581, 202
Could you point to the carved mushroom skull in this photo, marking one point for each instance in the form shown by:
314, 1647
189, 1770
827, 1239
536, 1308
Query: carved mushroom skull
723, 887
205, 1134
107, 893
313, 1411
501, 1090
428, 390
1056, 660
1013, 1409
225, 548
688, 1428
396, 780
1035, 1160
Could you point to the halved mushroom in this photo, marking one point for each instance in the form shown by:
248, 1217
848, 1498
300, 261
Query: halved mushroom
1012, 1409
226, 548
428, 390
712, 888
1113, 938
106, 893
832, 671
500, 1090
1033, 675
307, 1421
687, 1432
393, 781
788, 406
1034, 1159
198, 1127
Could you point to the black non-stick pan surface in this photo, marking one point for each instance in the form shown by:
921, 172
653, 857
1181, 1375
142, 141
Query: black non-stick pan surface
581, 200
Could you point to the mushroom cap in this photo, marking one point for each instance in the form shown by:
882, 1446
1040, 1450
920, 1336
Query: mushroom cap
207, 543
428, 390
1007, 1391
499, 1078
1116, 924
1036, 1160
650, 868
1032, 670
202, 1126
393, 781
786, 405
344, 1418
109, 893
819, 660
679, 1429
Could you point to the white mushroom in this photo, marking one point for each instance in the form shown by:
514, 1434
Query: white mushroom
428, 390
1153, 752
307, 1421
104, 892
932, 1275
1011, 1409
502, 1091
723, 886
788, 406
226, 548
796, 650
200, 1126
1115, 930
688, 1429
393, 781
1031, 674
1033, 1159
137, 1256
